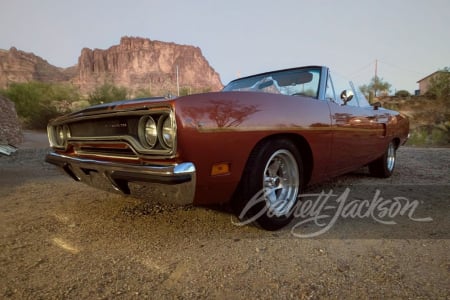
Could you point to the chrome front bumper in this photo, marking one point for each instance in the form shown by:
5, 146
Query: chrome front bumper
169, 183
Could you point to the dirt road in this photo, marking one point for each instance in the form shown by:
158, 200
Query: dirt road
62, 239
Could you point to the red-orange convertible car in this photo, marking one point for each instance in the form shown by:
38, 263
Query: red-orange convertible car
263, 136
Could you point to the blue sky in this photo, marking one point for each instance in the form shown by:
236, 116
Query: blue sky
410, 39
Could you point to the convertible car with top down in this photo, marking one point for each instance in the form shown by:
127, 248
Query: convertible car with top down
265, 136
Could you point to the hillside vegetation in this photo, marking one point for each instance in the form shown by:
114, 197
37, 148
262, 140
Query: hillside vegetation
429, 118
429, 115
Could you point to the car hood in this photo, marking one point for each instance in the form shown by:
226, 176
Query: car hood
117, 106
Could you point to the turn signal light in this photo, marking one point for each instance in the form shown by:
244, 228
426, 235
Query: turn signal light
220, 169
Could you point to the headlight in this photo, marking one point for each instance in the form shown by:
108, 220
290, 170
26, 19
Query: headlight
148, 132
58, 135
157, 132
66, 133
167, 132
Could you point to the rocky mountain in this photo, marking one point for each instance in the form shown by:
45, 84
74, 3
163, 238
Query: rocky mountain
142, 64
20, 66
138, 64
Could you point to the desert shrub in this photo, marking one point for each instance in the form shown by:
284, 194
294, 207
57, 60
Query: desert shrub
429, 136
107, 93
40, 117
78, 105
187, 90
184, 91
205, 90
402, 93
439, 137
38, 102
418, 137
143, 93
391, 105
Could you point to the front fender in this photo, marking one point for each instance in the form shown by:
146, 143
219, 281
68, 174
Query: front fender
225, 127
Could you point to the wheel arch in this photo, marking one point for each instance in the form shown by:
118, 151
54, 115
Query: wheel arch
396, 141
302, 145
249, 186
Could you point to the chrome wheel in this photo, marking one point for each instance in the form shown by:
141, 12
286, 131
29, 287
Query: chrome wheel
270, 184
390, 159
384, 166
281, 182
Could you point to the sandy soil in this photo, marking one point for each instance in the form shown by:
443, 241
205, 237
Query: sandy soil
62, 239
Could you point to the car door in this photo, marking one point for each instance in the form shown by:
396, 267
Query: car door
355, 130
355, 134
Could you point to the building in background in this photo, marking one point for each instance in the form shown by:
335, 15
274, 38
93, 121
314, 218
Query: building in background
424, 83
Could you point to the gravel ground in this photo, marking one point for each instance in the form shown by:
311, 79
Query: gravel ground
62, 239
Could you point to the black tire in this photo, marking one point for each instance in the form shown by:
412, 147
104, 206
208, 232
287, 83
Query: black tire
274, 166
383, 167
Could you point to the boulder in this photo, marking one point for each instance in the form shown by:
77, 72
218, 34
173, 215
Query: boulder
10, 128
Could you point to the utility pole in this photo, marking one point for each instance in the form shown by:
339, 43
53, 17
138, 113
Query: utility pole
178, 84
376, 68
376, 78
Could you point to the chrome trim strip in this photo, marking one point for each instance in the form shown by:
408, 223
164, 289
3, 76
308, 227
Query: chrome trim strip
165, 170
132, 142
101, 155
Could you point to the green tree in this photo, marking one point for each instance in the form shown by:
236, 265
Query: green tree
107, 93
64, 92
366, 91
26, 96
376, 85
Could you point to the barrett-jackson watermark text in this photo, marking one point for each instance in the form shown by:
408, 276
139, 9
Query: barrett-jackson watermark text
325, 208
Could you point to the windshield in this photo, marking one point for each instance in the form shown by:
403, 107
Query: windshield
298, 82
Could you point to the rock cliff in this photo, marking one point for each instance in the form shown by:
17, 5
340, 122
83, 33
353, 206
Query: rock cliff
138, 64
20, 66
142, 64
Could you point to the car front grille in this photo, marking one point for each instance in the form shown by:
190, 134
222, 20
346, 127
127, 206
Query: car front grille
121, 134
105, 127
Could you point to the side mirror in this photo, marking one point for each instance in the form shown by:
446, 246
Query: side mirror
346, 96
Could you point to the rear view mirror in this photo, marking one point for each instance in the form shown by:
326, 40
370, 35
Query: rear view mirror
346, 96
